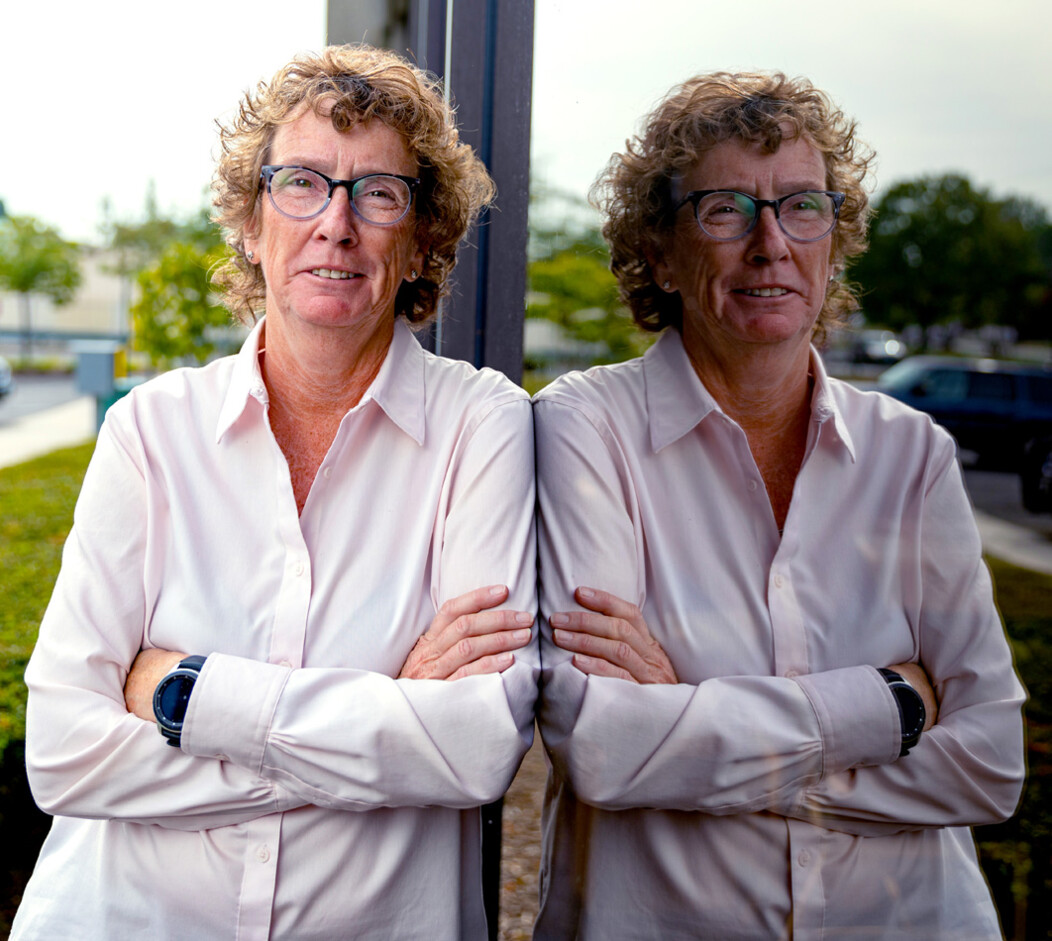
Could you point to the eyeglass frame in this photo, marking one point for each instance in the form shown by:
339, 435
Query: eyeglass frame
696, 196
266, 174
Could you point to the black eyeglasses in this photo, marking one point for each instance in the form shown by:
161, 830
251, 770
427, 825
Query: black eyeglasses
726, 215
302, 193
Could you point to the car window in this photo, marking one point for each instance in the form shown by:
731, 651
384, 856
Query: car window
947, 385
991, 385
1041, 389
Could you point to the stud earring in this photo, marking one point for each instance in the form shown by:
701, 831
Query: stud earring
251, 256
666, 284
413, 275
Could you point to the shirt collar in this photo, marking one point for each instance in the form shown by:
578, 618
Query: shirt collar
823, 404
677, 400
398, 388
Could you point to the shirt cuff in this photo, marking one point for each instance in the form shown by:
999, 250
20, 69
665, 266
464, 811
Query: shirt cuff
231, 710
857, 716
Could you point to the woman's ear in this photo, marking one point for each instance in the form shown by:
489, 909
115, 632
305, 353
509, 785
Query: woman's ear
662, 272
416, 262
250, 240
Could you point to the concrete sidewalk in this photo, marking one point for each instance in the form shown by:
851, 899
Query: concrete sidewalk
43, 432
74, 423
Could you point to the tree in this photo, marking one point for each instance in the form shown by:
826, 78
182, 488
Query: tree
35, 259
944, 251
177, 316
570, 282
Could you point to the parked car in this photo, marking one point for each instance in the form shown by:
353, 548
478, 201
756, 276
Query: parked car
7, 383
1036, 476
993, 408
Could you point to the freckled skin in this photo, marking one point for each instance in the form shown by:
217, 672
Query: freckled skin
709, 275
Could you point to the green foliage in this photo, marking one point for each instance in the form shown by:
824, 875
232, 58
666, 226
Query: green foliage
177, 317
1018, 853
570, 284
38, 499
35, 259
943, 251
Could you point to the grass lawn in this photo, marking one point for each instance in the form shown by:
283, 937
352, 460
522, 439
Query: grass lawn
37, 500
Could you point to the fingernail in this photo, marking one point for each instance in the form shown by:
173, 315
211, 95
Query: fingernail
559, 620
523, 617
522, 636
586, 592
561, 637
505, 659
497, 590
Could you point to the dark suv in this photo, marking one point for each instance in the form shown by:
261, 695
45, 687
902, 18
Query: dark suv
993, 408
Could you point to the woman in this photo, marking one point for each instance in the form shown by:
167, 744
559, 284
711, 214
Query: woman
296, 516
733, 546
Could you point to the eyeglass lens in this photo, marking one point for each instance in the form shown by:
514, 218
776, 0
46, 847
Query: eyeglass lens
806, 216
302, 193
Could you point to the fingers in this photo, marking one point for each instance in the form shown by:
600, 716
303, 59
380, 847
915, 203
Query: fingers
470, 602
611, 639
466, 639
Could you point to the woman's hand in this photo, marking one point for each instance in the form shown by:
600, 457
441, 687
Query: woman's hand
147, 671
466, 639
612, 641
913, 673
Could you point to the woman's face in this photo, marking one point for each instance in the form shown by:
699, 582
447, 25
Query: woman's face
335, 270
764, 288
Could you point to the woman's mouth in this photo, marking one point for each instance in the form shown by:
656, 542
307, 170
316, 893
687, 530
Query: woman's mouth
333, 274
763, 292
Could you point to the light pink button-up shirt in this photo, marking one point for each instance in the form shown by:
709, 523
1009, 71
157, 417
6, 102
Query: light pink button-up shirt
314, 796
763, 796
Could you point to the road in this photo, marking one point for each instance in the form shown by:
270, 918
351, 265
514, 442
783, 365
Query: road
34, 394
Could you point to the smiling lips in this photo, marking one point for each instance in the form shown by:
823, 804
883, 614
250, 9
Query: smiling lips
762, 292
333, 274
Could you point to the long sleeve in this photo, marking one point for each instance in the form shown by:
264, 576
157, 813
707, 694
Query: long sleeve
729, 744
87, 756
968, 769
356, 739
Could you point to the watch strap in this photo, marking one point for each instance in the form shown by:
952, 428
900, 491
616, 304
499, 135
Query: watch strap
911, 709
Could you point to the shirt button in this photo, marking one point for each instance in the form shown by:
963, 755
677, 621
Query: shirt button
779, 581
791, 674
285, 663
804, 858
752, 486
297, 569
263, 854
327, 473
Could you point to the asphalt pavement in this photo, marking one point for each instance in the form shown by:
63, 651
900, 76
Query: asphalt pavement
73, 422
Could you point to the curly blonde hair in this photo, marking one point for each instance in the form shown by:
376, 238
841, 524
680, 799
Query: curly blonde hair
635, 191
351, 84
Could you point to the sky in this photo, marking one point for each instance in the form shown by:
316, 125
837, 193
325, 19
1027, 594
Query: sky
101, 99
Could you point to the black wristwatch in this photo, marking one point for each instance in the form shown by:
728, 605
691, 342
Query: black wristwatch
171, 697
911, 709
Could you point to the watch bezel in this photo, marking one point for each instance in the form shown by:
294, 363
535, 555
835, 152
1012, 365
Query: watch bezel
910, 706
186, 672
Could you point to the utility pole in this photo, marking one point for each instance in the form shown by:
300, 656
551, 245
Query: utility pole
483, 49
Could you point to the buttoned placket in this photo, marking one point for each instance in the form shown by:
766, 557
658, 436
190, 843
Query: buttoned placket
789, 627
287, 643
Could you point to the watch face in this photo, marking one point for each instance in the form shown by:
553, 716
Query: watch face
173, 696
